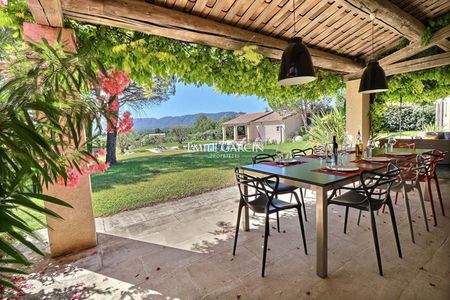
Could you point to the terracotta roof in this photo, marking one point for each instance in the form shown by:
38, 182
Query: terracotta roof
276, 116
271, 116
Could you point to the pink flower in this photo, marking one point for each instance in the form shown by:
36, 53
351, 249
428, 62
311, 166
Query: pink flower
90, 166
126, 123
114, 82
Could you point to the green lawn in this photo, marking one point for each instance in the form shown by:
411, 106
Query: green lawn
146, 178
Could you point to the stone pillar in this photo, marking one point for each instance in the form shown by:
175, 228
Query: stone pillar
77, 231
235, 133
224, 133
247, 133
357, 111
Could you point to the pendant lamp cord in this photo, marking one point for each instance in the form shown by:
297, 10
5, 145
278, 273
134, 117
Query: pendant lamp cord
372, 37
293, 10
372, 16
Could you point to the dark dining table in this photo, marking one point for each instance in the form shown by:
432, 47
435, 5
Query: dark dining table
310, 174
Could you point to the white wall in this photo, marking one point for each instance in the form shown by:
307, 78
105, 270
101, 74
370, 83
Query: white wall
443, 113
291, 124
272, 134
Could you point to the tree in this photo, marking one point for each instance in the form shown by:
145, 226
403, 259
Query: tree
137, 98
126, 140
180, 133
202, 124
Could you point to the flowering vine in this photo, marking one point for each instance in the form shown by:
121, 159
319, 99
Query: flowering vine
90, 166
113, 83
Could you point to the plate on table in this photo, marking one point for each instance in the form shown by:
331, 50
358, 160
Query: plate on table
288, 161
343, 169
377, 159
399, 153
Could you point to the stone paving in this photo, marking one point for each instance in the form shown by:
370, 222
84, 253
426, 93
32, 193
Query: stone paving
182, 250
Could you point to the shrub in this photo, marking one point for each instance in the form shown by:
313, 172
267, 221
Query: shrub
413, 116
325, 126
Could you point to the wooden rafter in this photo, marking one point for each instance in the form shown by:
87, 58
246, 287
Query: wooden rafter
428, 62
46, 12
439, 38
153, 19
391, 15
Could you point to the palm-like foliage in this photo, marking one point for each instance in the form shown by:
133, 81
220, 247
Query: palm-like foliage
325, 126
43, 111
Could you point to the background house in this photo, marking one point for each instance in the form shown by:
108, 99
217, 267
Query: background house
263, 126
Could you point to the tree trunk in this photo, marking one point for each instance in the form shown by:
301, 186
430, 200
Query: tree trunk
304, 115
111, 140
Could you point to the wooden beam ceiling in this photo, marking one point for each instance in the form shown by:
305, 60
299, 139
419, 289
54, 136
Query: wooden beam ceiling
46, 12
423, 63
156, 20
391, 15
439, 38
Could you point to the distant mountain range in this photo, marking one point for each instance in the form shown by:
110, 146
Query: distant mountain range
142, 124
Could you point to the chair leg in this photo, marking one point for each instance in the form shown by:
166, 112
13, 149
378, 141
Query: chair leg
303, 204
278, 222
345, 219
422, 203
408, 213
396, 198
266, 235
237, 229
359, 217
375, 239
439, 194
430, 195
302, 230
394, 226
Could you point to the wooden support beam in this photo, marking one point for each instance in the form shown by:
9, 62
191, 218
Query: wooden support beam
46, 12
438, 38
391, 15
412, 49
418, 64
152, 19
444, 45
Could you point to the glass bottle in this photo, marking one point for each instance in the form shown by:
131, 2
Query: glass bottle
359, 146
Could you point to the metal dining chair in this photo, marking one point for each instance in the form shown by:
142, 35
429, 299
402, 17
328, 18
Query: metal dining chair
432, 160
301, 152
283, 188
370, 195
409, 181
259, 196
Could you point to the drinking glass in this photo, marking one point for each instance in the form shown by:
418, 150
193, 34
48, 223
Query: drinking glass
343, 158
391, 142
370, 147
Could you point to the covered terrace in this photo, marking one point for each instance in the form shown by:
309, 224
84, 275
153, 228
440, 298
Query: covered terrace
141, 256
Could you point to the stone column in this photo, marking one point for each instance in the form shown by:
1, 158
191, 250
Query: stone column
357, 111
77, 231
235, 133
224, 133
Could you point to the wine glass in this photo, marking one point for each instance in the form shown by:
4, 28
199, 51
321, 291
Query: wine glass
391, 142
370, 147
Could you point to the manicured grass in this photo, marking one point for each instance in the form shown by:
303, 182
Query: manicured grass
145, 178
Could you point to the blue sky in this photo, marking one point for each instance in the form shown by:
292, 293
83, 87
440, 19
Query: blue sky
190, 99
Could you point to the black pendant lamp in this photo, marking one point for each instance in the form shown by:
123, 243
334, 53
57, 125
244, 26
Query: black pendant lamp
296, 63
373, 79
